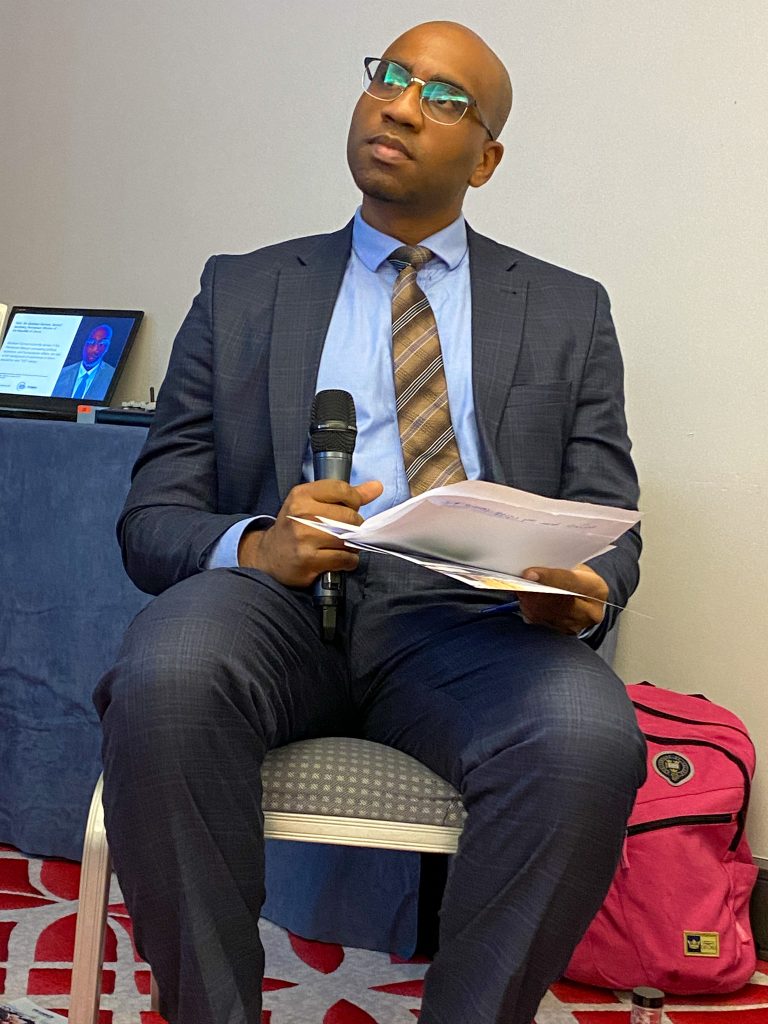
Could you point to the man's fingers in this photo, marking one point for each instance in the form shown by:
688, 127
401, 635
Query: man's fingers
327, 560
335, 492
310, 564
551, 613
297, 558
338, 513
319, 551
567, 613
544, 607
565, 579
582, 579
333, 499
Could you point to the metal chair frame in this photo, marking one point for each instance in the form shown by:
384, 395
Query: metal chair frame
305, 828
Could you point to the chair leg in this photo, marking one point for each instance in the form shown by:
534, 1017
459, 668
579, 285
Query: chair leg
91, 918
154, 994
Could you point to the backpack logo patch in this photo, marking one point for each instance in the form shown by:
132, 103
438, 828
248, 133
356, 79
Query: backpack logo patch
673, 767
701, 943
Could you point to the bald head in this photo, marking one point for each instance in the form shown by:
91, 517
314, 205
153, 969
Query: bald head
491, 85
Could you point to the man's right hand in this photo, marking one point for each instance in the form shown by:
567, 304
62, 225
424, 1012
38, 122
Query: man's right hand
295, 554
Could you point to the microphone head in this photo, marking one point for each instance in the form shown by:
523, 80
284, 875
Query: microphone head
333, 423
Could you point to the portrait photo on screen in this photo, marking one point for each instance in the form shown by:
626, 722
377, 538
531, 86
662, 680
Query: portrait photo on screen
90, 363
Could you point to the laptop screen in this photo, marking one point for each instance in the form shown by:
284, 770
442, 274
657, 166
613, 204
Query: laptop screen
53, 360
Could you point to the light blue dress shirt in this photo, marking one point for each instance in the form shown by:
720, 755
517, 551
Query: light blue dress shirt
357, 357
90, 374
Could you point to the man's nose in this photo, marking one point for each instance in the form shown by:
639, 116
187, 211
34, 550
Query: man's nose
406, 108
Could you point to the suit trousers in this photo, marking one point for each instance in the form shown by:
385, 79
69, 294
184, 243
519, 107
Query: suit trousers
532, 727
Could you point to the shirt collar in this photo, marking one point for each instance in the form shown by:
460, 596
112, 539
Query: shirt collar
373, 247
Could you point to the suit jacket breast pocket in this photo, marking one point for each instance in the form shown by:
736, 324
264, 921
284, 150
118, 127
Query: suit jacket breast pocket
533, 432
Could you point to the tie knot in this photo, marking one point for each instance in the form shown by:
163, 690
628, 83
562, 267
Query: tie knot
416, 256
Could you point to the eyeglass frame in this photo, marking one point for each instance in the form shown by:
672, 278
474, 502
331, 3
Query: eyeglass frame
471, 101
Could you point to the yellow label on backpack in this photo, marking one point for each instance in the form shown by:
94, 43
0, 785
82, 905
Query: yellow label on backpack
701, 943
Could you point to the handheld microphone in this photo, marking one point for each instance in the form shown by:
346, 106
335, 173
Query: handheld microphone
332, 434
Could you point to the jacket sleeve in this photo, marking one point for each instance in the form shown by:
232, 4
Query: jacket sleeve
170, 518
597, 464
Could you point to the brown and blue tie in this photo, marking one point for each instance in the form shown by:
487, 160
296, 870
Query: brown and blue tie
430, 450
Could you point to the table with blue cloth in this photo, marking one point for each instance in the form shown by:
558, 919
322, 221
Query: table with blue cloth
64, 604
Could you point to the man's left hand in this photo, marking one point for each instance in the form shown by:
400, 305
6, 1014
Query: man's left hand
564, 612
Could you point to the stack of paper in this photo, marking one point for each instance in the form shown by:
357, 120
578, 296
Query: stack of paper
486, 534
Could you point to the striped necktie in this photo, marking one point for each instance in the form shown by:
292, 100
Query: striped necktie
80, 389
430, 450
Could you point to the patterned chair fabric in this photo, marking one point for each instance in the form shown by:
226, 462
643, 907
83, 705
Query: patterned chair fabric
353, 778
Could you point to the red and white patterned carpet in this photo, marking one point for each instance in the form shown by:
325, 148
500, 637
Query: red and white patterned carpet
306, 983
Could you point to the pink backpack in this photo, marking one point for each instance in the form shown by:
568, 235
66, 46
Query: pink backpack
677, 913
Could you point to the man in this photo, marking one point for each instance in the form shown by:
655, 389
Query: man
516, 711
91, 376
9, 1016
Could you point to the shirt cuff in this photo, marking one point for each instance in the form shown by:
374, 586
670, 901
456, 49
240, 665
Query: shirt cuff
586, 633
223, 554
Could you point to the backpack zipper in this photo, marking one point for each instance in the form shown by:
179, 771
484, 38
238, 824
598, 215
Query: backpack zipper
742, 813
683, 819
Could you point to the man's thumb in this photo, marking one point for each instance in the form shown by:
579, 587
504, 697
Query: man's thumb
369, 490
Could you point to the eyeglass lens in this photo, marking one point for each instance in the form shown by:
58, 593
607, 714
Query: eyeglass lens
386, 80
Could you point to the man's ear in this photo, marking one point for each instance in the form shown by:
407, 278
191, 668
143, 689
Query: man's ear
492, 153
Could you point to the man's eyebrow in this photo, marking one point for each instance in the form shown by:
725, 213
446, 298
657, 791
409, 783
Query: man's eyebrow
445, 79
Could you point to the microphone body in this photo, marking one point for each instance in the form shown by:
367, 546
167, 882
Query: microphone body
332, 465
332, 434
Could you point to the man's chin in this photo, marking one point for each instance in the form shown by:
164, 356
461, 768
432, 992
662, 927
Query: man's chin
382, 187
382, 195
384, 191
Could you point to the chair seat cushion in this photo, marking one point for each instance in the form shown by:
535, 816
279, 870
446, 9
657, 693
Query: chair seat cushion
344, 777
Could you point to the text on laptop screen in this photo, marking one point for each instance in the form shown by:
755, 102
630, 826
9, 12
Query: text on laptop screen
51, 354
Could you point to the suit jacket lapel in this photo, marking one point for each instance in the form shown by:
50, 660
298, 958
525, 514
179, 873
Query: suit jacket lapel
498, 313
306, 295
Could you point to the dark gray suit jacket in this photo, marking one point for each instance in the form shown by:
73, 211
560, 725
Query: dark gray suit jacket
232, 416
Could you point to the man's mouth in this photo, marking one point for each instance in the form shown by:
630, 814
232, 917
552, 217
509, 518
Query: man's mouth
389, 148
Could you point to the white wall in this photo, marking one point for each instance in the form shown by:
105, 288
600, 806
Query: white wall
138, 137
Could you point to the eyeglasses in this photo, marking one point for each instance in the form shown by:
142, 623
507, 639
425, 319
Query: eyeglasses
441, 102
